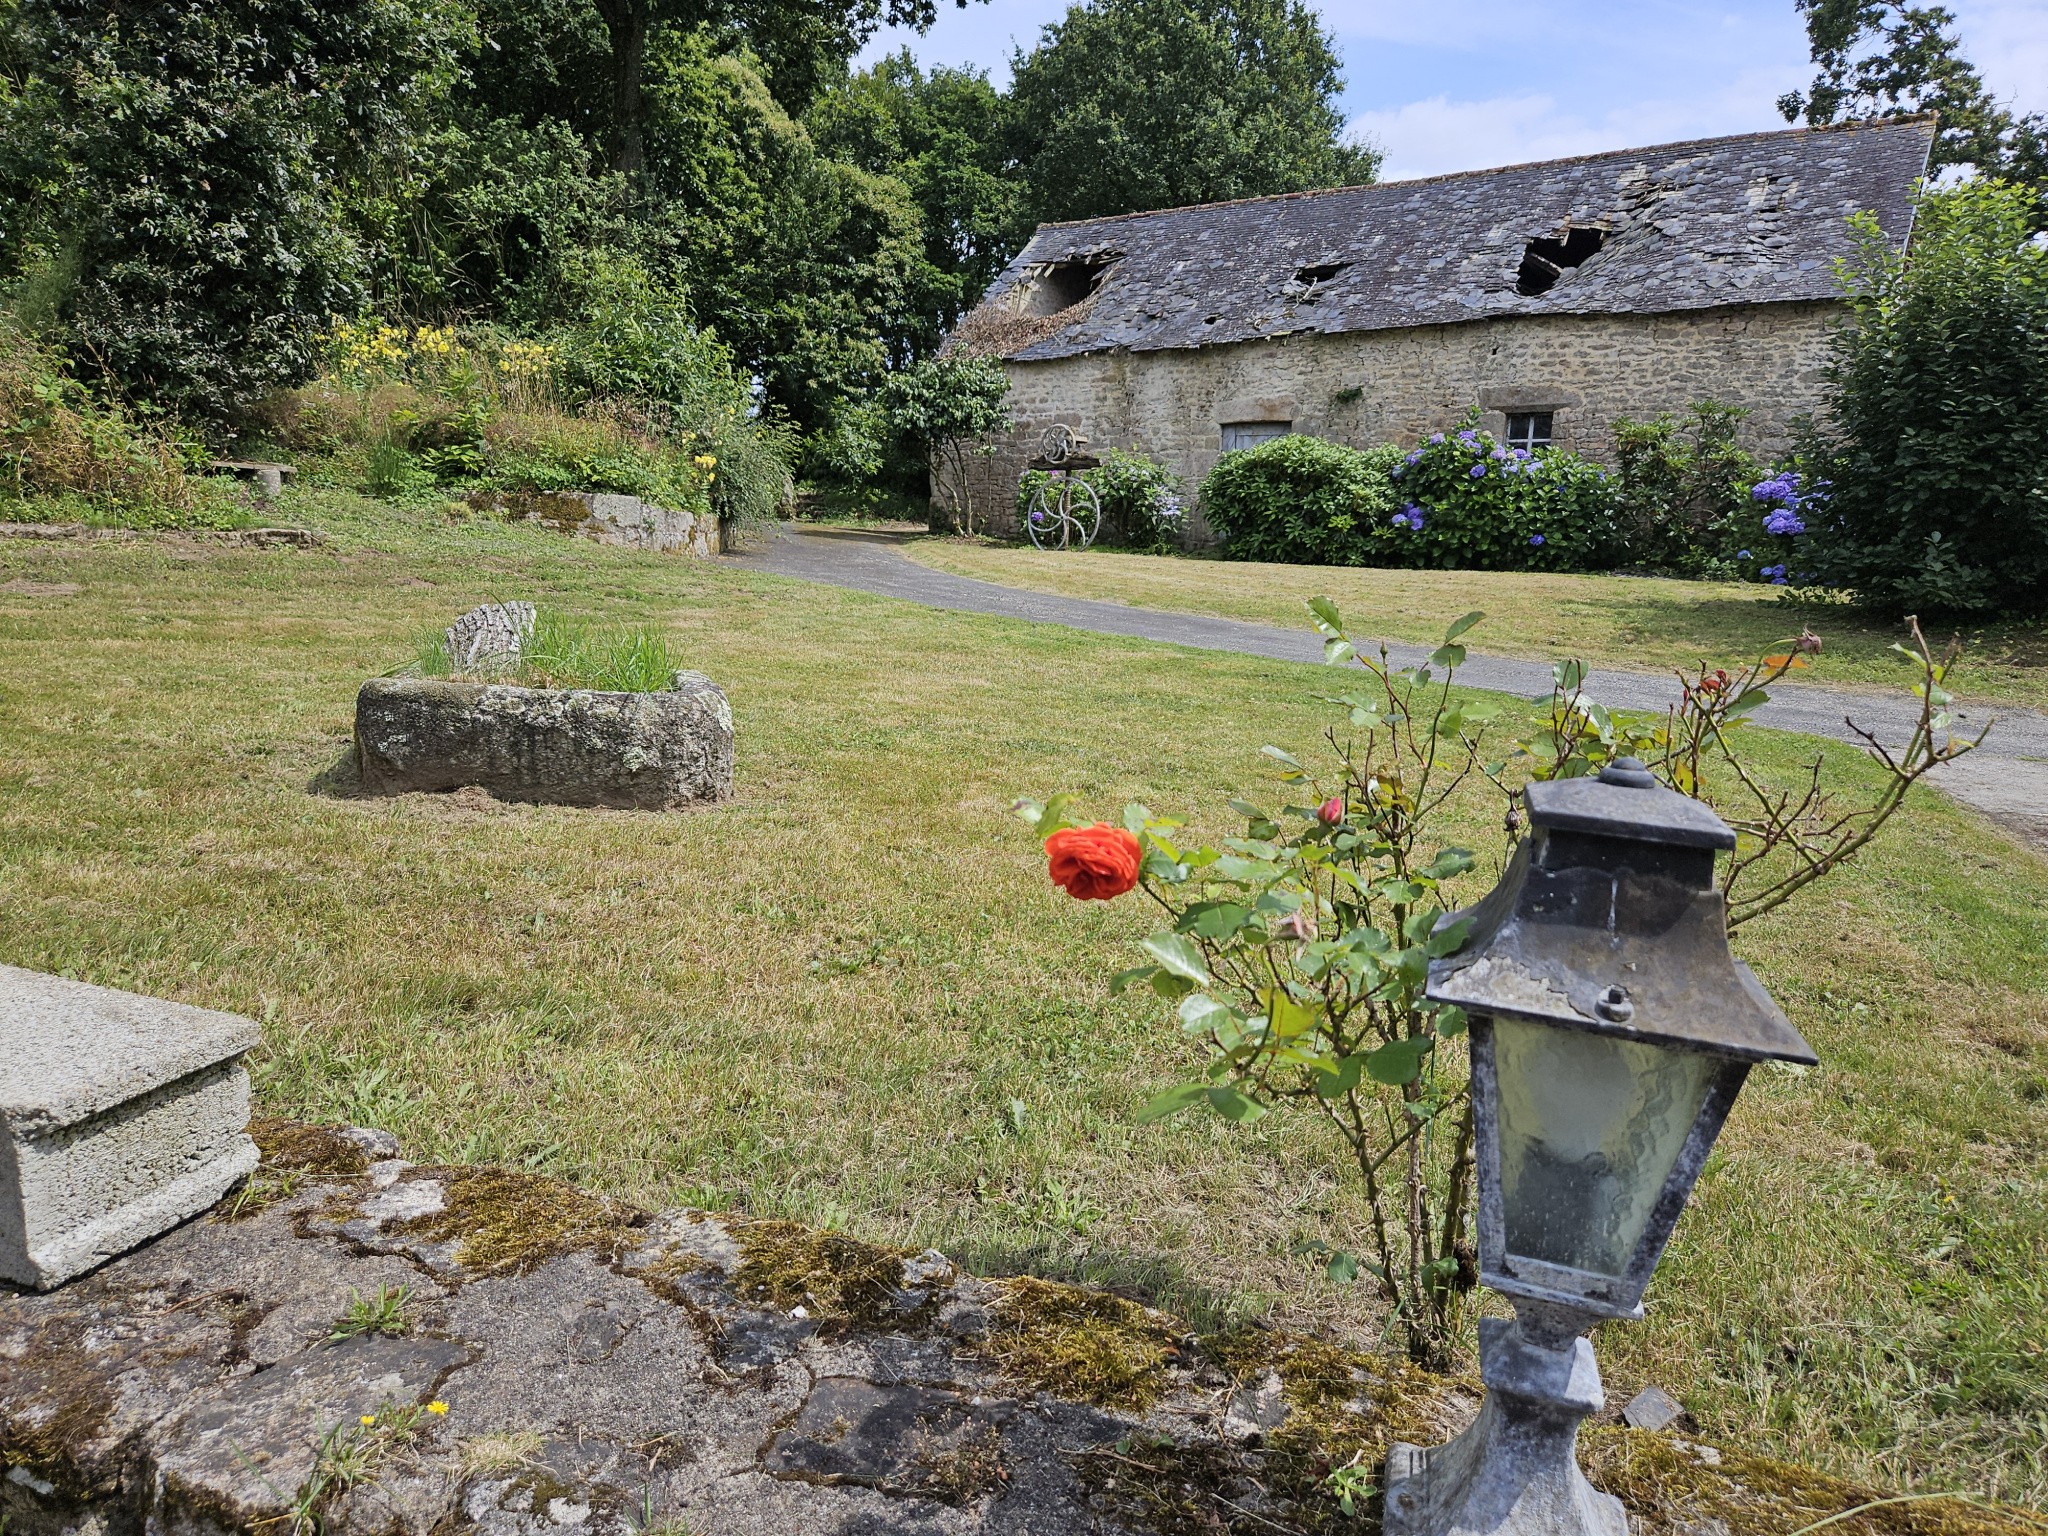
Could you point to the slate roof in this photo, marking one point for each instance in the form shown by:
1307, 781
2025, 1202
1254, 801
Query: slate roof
1757, 218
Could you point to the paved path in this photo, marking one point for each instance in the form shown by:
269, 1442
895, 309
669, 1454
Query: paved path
2008, 780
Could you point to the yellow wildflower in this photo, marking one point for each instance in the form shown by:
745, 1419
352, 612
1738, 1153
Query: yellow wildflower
368, 1420
437, 1406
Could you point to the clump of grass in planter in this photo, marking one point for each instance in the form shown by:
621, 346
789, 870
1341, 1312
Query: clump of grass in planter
564, 651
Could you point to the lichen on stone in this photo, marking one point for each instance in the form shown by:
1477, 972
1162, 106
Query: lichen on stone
840, 1281
1074, 1343
510, 1223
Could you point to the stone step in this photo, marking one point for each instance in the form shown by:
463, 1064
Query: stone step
124, 1115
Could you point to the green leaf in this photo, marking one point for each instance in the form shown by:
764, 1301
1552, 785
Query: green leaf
1201, 1013
1123, 979
1326, 614
1170, 1102
1342, 1268
1751, 698
1459, 626
1450, 1022
1399, 1062
1232, 1105
1447, 657
1331, 1085
1214, 919
1281, 756
1449, 939
1177, 957
1337, 652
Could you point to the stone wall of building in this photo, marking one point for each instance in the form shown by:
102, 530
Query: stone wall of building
1398, 386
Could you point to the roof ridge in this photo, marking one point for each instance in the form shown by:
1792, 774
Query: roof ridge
1858, 125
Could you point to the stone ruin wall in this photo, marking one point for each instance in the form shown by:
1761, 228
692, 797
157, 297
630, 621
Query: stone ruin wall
1398, 386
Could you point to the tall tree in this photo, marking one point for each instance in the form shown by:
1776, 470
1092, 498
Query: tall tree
1877, 59
941, 135
799, 40
176, 175
1128, 105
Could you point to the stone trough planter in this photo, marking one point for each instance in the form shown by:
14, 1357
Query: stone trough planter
626, 522
561, 746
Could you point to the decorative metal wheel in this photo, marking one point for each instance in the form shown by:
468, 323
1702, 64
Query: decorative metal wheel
1056, 442
1065, 513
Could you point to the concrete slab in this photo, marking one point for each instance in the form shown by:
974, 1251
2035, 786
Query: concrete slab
124, 1115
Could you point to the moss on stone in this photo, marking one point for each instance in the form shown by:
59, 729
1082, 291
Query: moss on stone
49, 1429
291, 1147
1670, 1484
840, 1281
1344, 1408
1081, 1344
510, 1223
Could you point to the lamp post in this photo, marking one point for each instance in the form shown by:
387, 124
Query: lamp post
1611, 1030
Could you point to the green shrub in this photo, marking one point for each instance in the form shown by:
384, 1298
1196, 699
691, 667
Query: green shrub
1932, 487
1303, 501
1141, 502
1471, 504
68, 455
1682, 491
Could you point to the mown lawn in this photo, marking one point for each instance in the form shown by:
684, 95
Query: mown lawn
851, 996
1645, 624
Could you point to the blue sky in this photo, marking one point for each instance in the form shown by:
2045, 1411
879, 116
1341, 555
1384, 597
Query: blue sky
1454, 85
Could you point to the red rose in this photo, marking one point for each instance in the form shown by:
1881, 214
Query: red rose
1331, 811
1094, 863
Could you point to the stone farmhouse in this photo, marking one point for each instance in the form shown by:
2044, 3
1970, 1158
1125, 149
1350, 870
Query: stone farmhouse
1555, 297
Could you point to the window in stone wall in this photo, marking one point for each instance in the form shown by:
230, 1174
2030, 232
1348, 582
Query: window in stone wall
1530, 430
1249, 434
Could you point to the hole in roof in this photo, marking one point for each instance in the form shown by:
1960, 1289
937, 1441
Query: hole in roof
1308, 277
1548, 257
1060, 285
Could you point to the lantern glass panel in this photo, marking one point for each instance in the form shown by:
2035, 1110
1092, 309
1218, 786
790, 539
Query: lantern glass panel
1590, 1128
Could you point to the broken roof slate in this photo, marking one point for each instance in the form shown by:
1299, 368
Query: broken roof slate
1757, 218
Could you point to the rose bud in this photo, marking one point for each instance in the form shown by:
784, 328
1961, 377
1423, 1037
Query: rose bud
1331, 811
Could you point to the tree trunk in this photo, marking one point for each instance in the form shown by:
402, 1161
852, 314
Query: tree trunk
626, 22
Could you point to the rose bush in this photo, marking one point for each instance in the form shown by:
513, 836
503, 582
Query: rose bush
1296, 955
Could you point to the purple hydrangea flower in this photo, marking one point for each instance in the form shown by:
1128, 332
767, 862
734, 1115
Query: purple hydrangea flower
1742, 554
1523, 453
1775, 573
1415, 457
1536, 541
1468, 436
1498, 453
1784, 522
1478, 471
1400, 519
1437, 437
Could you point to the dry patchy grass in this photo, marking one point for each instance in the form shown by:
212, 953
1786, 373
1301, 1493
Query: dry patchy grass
1645, 624
820, 1000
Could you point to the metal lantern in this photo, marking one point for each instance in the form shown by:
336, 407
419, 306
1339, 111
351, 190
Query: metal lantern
1611, 1031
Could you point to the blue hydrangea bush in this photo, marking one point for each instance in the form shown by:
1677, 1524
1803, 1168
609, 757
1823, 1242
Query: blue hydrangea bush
1468, 502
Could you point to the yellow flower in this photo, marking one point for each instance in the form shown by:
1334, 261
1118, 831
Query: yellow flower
437, 1406
369, 1419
